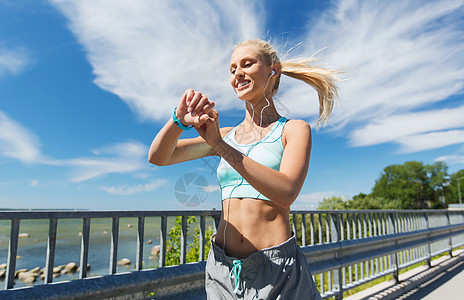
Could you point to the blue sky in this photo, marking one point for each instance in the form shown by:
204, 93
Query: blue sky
85, 86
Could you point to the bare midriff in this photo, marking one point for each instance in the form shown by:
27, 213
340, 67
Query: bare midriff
252, 225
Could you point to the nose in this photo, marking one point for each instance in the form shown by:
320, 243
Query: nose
238, 72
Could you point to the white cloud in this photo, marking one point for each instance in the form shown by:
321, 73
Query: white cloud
212, 188
311, 201
400, 125
416, 131
451, 159
401, 57
12, 60
118, 159
149, 52
432, 140
130, 190
18, 142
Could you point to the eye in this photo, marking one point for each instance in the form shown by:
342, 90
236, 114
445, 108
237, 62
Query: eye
232, 71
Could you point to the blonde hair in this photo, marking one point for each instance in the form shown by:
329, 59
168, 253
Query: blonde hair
321, 79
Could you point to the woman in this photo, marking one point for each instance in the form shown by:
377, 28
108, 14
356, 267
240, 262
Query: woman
264, 162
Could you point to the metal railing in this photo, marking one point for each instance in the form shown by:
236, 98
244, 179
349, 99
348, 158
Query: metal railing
344, 249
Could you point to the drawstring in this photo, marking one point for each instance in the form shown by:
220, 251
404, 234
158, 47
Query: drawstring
235, 274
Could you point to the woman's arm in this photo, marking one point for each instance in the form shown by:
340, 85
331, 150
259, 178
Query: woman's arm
282, 186
166, 148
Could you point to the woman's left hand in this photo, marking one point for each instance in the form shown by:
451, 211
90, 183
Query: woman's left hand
209, 130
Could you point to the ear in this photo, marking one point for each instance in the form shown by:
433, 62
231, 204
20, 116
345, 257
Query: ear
275, 70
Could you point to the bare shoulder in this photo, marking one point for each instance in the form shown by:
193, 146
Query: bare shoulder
296, 129
225, 130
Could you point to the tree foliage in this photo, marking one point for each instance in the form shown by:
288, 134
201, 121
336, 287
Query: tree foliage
332, 203
451, 191
173, 245
410, 185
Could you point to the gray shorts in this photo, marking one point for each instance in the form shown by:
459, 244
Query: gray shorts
279, 272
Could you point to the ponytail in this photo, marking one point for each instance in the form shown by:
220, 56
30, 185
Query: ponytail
321, 79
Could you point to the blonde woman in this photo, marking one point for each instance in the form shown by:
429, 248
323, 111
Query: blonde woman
264, 162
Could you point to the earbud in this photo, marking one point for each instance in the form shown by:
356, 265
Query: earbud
273, 73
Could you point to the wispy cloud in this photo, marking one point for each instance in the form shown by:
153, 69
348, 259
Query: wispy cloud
415, 131
403, 61
117, 159
18, 142
12, 61
311, 201
212, 188
452, 159
124, 190
149, 52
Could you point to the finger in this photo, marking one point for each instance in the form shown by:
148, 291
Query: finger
207, 107
213, 113
192, 105
197, 121
203, 105
186, 97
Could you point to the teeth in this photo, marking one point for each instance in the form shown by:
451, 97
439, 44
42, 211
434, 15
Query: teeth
240, 84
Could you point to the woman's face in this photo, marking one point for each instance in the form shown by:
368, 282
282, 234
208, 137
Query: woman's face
248, 73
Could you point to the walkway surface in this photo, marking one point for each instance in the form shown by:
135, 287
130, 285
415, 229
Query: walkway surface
431, 284
448, 286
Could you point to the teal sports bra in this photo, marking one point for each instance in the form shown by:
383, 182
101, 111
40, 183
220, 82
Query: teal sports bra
268, 151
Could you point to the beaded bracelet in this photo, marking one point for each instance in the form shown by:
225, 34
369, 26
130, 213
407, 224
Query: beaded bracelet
179, 123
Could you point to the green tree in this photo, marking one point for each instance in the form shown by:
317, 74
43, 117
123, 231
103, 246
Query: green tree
451, 191
363, 201
332, 203
407, 184
439, 180
173, 244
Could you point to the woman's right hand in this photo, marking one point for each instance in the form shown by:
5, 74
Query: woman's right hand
193, 108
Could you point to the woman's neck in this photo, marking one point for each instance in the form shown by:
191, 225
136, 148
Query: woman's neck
262, 113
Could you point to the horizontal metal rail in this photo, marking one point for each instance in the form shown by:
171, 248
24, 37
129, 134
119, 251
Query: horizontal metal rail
325, 257
344, 249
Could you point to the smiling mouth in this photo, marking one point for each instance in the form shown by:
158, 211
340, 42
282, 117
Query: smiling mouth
243, 84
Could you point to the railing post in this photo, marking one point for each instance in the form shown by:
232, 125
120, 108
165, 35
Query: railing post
183, 241
84, 248
114, 245
294, 227
321, 275
202, 239
312, 228
303, 230
140, 238
450, 242
162, 254
335, 237
394, 256
12, 253
217, 220
428, 249
50, 251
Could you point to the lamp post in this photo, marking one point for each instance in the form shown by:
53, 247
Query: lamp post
459, 191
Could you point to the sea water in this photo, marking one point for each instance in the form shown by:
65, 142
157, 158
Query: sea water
32, 251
